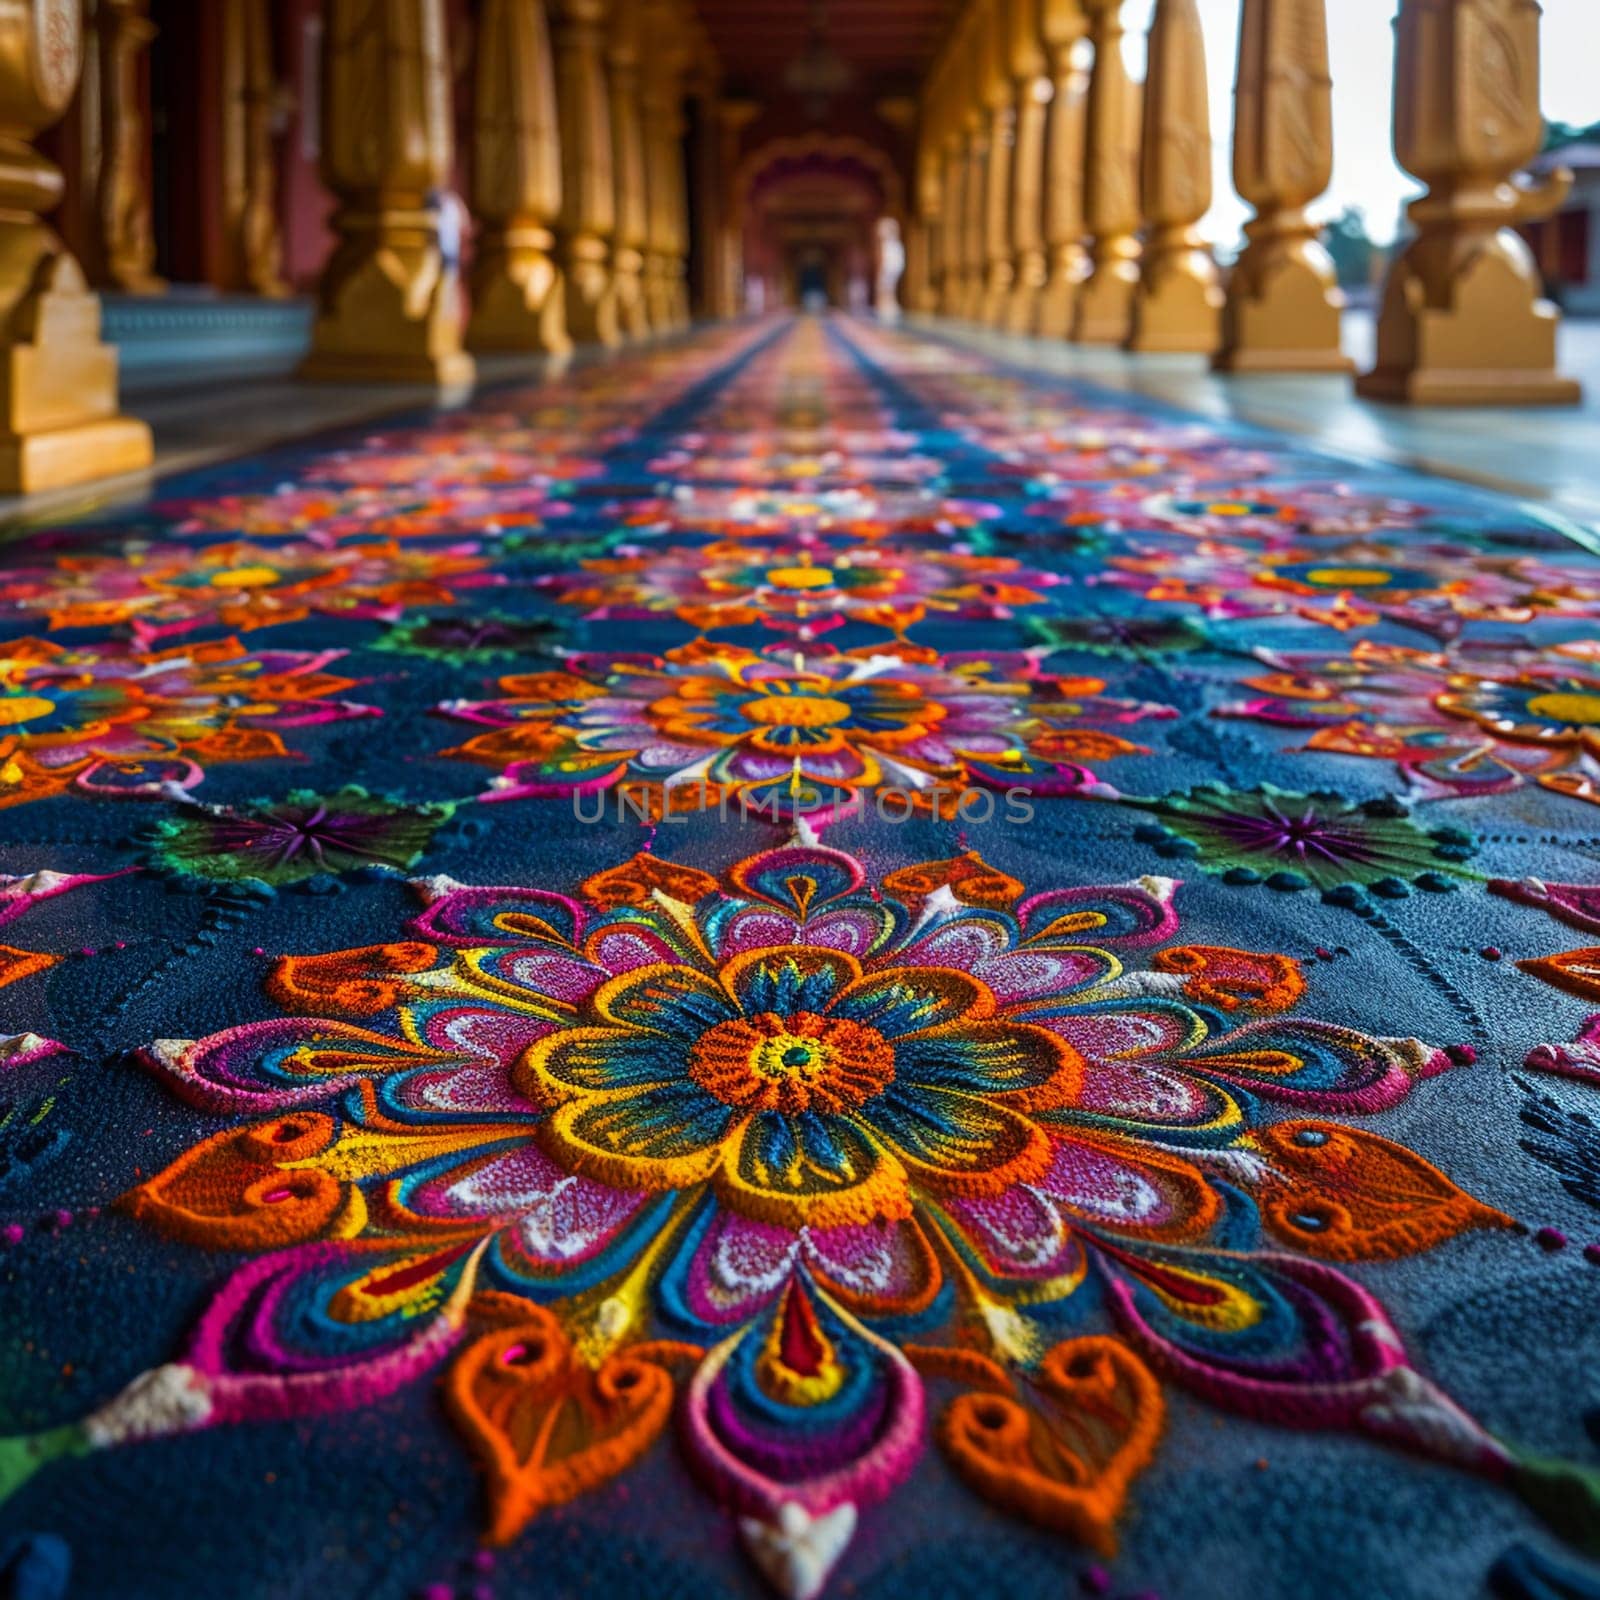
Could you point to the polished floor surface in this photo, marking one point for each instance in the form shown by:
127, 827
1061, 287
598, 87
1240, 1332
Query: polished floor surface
811, 961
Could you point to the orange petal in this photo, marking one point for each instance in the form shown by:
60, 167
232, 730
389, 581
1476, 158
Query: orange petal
633, 883
544, 1427
1218, 975
232, 1192
1576, 971
968, 877
1064, 1452
359, 982
1347, 1195
16, 964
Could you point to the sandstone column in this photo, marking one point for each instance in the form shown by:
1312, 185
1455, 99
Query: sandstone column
1104, 313
252, 256
1030, 92
518, 292
663, 123
1462, 321
628, 170
1000, 116
732, 118
952, 222
975, 254
924, 281
388, 303
127, 249
1282, 312
1179, 303
58, 383
709, 194
1066, 28
588, 200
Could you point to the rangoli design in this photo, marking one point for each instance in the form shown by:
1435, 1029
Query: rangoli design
803, 961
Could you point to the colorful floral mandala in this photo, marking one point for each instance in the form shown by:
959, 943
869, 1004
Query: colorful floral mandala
803, 589
167, 590
1455, 724
776, 1153
115, 720
796, 731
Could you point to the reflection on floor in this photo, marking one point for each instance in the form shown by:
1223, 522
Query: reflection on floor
799, 964
1551, 455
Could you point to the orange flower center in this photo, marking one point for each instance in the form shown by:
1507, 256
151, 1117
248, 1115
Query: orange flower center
797, 1063
796, 711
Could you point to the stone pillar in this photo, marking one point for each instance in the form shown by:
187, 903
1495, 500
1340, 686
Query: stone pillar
975, 197
732, 118
925, 274
388, 305
588, 192
58, 383
1000, 116
1463, 321
628, 170
126, 255
952, 224
1066, 28
1030, 94
970, 157
663, 121
921, 235
1179, 303
708, 197
1282, 312
252, 249
518, 292
1104, 312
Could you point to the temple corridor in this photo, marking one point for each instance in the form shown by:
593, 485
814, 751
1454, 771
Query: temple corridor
799, 961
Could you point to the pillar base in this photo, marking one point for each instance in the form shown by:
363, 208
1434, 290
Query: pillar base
388, 307
454, 370
1027, 284
58, 387
1058, 297
1178, 324
1442, 387
1284, 304
61, 457
591, 293
996, 297
1178, 309
1104, 313
627, 278
518, 296
1462, 323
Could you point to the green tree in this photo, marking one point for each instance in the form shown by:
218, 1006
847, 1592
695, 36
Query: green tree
1351, 247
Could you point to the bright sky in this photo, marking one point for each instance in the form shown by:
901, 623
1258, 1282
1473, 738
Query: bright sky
1361, 59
